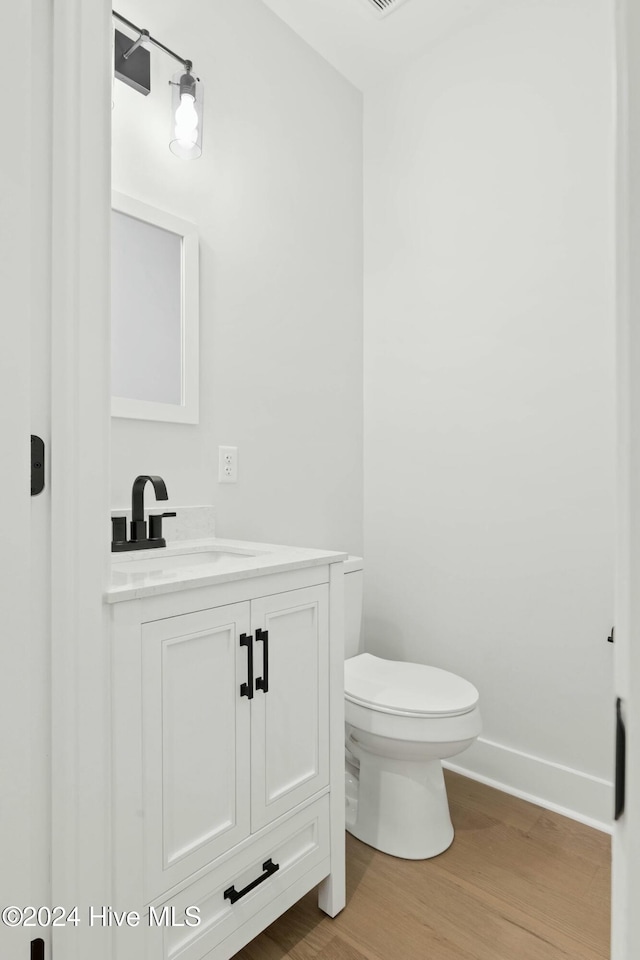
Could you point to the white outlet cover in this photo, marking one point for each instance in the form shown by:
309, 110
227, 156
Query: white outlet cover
227, 464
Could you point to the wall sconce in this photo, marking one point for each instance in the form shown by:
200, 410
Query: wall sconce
132, 65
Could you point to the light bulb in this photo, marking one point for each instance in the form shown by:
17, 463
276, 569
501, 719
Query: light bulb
185, 140
187, 121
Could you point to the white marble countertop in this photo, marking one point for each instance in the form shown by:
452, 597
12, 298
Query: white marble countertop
200, 563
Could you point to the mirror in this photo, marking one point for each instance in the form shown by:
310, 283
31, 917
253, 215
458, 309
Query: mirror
154, 314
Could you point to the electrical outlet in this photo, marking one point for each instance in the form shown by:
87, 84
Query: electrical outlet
227, 464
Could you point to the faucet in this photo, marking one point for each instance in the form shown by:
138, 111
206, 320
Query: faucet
139, 538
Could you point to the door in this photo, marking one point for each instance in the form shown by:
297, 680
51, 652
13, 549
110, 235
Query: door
626, 837
24, 675
195, 742
289, 719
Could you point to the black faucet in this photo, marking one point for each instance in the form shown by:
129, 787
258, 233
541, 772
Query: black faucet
139, 538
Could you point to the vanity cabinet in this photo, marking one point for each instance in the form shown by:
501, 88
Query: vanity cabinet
225, 788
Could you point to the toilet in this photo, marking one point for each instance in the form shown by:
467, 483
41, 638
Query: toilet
401, 721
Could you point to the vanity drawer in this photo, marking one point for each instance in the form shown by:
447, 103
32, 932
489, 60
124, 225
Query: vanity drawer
251, 879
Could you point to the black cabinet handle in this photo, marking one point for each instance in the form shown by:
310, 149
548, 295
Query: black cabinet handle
621, 760
246, 689
262, 683
269, 868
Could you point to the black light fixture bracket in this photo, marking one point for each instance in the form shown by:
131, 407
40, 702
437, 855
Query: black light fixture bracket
132, 61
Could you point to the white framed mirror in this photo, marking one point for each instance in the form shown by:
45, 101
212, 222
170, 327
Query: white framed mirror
155, 315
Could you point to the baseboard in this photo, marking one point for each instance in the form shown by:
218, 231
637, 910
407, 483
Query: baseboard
549, 785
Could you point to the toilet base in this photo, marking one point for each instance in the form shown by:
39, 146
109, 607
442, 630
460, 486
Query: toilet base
399, 806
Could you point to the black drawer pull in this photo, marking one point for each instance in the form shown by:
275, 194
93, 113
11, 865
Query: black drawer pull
262, 683
246, 689
269, 868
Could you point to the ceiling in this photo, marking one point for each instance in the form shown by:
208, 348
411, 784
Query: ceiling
364, 46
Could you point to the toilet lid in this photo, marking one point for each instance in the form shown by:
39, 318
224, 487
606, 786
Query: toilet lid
410, 689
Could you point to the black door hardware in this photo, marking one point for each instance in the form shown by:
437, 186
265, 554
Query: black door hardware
139, 539
37, 465
262, 683
37, 949
246, 689
269, 868
611, 637
621, 761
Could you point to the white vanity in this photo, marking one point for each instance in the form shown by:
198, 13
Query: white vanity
228, 742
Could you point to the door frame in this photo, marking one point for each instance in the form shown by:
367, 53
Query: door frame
24, 679
625, 942
79, 475
79, 459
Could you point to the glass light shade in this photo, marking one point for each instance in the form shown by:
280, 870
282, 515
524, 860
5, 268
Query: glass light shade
185, 139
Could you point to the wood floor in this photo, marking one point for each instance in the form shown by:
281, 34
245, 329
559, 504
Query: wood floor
518, 883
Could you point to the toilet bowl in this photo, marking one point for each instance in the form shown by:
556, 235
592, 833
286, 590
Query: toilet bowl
401, 721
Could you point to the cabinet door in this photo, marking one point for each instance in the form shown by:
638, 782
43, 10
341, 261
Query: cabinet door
195, 742
289, 723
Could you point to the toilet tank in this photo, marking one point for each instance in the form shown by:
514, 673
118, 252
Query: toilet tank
353, 581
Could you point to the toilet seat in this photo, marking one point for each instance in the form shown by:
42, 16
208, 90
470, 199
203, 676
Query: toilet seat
407, 689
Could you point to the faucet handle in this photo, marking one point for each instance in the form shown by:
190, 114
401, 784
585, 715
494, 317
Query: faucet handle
119, 530
155, 524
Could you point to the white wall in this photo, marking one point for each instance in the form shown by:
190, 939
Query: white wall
277, 196
489, 447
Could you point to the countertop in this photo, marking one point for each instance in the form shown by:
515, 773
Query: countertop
233, 560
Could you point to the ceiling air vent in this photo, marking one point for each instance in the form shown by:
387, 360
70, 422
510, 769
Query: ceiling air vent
383, 7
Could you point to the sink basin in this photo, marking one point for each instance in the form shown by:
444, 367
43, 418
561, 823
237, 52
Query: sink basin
164, 563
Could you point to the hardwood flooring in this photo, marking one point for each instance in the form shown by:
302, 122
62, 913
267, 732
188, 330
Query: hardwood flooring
518, 883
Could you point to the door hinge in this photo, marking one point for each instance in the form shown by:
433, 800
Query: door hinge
621, 761
37, 949
37, 465
611, 637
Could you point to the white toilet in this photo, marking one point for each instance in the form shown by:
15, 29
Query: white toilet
402, 720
